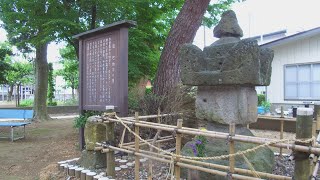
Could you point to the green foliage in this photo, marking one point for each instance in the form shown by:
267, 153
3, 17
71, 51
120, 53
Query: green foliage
261, 98
51, 85
201, 142
82, 119
70, 67
5, 52
266, 105
26, 103
21, 72
199, 146
69, 102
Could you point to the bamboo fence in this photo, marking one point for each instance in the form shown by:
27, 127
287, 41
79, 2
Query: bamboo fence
177, 160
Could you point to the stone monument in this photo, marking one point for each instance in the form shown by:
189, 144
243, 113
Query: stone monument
226, 73
94, 132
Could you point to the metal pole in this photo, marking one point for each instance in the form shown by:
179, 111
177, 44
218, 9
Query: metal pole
11, 133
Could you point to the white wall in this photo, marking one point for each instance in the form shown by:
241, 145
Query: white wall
302, 51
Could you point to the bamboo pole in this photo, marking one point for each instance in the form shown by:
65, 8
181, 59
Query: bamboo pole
159, 122
221, 173
178, 149
148, 140
216, 166
281, 127
303, 130
137, 142
232, 131
240, 138
110, 154
317, 115
157, 141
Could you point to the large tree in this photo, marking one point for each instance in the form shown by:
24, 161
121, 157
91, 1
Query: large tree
184, 29
20, 73
70, 68
154, 18
24, 21
5, 51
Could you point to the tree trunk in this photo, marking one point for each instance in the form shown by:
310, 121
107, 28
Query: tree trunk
41, 88
72, 91
182, 31
10, 91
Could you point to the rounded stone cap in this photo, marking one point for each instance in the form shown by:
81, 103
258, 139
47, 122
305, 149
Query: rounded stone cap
305, 111
228, 26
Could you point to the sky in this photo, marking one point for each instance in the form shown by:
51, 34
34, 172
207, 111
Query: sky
258, 17
255, 17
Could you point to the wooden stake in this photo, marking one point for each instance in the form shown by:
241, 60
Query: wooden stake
178, 149
303, 130
158, 121
281, 128
110, 154
136, 142
232, 131
317, 115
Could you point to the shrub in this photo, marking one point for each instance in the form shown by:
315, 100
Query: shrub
82, 119
261, 98
52, 103
26, 103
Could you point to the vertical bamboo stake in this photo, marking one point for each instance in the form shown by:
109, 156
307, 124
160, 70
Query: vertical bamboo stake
158, 121
110, 155
178, 149
150, 171
136, 145
317, 115
281, 127
232, 131
303, 130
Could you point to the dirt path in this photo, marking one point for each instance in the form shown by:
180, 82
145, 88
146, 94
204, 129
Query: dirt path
46, 143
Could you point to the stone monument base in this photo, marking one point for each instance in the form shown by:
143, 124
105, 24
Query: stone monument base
227, 104
262, 159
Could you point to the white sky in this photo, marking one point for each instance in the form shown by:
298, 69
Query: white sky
255, 17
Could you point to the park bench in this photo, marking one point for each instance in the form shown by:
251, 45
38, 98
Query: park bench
15, 114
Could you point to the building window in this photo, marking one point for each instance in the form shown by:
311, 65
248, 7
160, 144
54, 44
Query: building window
302, 82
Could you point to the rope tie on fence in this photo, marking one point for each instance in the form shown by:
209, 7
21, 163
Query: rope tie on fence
212, 157
251, 167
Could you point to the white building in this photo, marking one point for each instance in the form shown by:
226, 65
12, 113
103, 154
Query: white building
295, 78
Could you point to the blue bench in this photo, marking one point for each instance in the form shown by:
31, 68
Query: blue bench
15, 114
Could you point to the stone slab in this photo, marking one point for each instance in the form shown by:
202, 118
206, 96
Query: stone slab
227, 104
239, 62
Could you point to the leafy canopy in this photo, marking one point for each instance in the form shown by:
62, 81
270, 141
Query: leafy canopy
5, 52
70, 64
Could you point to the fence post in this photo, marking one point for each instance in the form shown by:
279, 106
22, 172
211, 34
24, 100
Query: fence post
303, 131
232, 131
281, 127
136, 147
317, 115
178, 148
110, 154
158, 121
